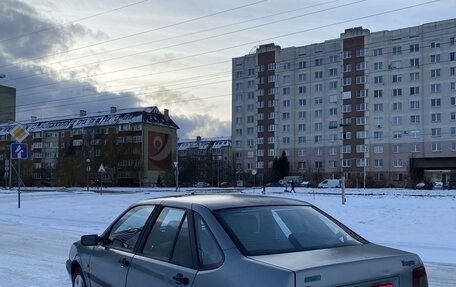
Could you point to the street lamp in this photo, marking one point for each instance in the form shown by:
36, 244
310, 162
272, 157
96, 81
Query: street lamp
87, 172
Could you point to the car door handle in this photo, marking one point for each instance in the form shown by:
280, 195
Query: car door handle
124, 262
179, 278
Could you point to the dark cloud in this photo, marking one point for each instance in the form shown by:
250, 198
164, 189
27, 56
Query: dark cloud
201, 125
27, 38
26, 34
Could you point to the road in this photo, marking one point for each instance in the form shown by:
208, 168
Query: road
35, 256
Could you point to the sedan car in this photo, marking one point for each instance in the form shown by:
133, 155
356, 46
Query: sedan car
229, 240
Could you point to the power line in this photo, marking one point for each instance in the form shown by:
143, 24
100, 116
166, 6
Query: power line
139, 33
192, 41
285, 60
71, 22
239, 45
300, 31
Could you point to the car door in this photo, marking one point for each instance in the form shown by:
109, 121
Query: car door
110, 260
167, 257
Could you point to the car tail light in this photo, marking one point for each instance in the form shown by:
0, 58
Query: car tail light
384, 285
420, 277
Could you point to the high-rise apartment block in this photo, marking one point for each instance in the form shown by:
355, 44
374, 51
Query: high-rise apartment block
371, 106
7, 104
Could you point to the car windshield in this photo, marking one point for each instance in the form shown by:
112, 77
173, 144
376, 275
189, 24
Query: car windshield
266, 230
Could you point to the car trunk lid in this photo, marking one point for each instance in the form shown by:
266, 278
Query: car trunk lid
365, 265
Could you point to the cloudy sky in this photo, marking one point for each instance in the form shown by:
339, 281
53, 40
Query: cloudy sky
63, 56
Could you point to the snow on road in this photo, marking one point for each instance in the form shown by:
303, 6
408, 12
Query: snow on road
35, 239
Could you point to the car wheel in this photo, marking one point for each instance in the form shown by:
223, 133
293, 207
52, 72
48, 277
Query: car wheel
78, 278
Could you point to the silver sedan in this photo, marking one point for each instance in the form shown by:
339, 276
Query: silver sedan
235, 240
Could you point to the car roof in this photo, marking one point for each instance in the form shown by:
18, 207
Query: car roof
222, 200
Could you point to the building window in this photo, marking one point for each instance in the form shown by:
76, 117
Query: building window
378, 135
415, 76
435, 58
435, 73
414, 48
361, 79
378, 52
346, 163
414, 62
436, 147
397, 163
378, 66
453, 131
397, 78
318, 62
435, 103
397, 120
302, 65
378, 80
436, 117
397, 107
414, 105
415, 119
435, 44
360, 66
435, 88
378, 107
397, 134
397, 92
318, 87
414, 90
436, 132
415, 148
397, 51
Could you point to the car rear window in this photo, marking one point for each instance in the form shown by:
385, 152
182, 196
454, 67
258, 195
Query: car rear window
266, 230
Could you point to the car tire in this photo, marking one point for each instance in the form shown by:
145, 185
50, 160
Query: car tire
78, 278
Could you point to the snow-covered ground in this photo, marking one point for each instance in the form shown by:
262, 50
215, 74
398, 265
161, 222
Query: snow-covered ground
35, 238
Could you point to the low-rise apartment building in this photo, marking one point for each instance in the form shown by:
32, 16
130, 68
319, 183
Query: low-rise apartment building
135, 147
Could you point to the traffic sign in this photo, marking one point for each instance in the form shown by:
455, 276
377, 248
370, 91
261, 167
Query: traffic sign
19, 151
19, 132
102, 169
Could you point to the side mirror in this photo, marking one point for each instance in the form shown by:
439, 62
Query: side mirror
90, 240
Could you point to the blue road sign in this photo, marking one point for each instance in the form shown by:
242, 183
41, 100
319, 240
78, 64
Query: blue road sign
19, 151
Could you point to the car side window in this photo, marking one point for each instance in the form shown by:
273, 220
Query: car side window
126, 231
209, 252
169, 239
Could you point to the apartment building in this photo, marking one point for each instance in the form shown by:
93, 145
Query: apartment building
208, 160
7, 104
375, 107
135, 147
